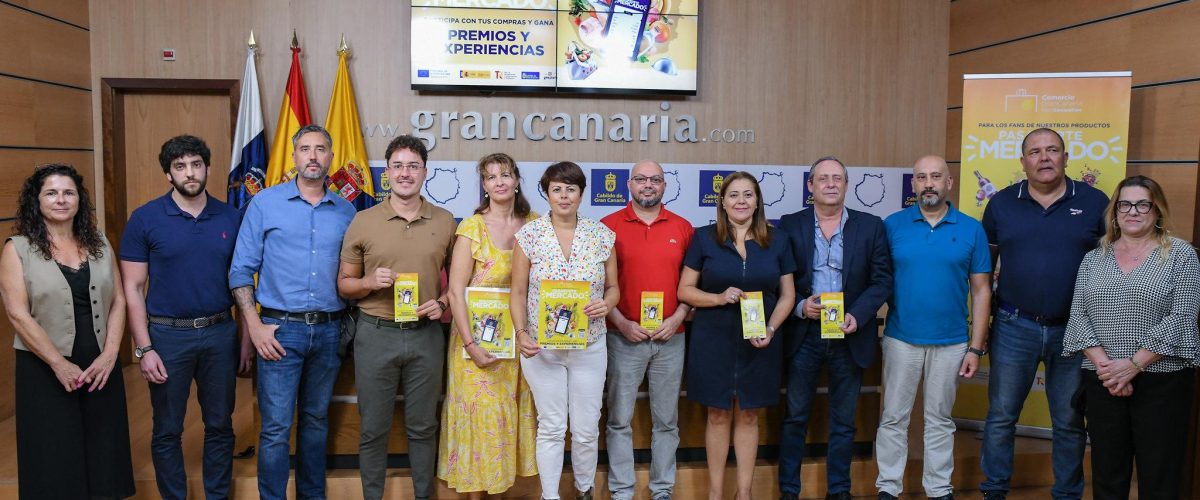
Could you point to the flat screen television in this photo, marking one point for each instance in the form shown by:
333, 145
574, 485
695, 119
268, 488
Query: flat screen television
598, 46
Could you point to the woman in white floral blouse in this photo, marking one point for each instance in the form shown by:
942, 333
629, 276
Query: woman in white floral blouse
567, 385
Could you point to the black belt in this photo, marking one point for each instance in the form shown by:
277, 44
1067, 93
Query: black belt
1036, 318
203, 322
387, 323
308, 318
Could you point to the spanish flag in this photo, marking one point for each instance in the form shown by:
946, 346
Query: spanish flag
350, 175
293, 114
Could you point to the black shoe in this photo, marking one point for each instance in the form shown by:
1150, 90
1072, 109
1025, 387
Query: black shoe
948, 496
994, 495
586, 495
841, 495
883, 495
788, 496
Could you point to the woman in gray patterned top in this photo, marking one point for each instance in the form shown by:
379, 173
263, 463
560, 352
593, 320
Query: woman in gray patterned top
1134, 317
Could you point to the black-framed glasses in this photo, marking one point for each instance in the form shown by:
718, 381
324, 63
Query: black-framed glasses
641, 179
1142, 207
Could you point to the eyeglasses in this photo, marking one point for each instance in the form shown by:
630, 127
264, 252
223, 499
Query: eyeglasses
1142, 207
412, 167
641, 179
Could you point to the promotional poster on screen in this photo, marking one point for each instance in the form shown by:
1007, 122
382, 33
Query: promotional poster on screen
754, 316
407, 297
563, 324
611, 46
490, 323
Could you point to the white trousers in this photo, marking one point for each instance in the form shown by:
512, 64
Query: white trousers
567, 386
904, 365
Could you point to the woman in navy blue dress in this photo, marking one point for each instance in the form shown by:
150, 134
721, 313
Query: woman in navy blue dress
732, 376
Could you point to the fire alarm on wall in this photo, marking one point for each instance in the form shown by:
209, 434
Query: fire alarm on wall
168, 54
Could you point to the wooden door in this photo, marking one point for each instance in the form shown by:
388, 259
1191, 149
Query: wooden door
153, 118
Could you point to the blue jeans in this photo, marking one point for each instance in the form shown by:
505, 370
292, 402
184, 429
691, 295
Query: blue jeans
1018, 345
304, 377
845, 382
210, 357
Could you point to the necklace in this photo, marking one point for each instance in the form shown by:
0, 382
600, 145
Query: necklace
1135, 257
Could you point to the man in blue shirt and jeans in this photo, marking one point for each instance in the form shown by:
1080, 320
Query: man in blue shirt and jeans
182, 328
937, 253
1041, 227
291, 237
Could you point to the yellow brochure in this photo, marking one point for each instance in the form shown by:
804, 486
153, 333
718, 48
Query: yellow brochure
652, 310
754, 316
833, 315
560, 305
407, 298
491, 325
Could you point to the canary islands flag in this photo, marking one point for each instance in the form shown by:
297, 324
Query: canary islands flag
293, 114
248, 175
350, 175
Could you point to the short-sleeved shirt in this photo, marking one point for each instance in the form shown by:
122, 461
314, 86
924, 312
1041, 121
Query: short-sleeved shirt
187, 257
649, 258
379, 237
590, 248
932, 268
1040, 248
293, 245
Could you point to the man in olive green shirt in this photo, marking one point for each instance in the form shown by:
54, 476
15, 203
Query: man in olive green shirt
403, 234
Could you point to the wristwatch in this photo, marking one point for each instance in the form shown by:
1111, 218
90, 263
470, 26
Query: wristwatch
442, 305
978, 352
141, 351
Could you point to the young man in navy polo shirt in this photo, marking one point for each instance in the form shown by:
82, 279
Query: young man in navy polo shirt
182, 329
938, 254
1041, 227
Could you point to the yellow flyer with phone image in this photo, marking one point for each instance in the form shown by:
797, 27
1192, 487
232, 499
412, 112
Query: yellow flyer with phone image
754, 316
490, 322
563, 324
833, 315
407, 297
652, 311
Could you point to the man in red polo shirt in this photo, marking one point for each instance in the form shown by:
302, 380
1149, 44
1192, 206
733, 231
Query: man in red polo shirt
651, 242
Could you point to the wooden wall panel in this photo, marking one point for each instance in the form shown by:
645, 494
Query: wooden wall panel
70, 11
993, 21
1153, 44
811, 78
17, 164
42, 48
1179, 185
42, 115
1164, 123
7, 356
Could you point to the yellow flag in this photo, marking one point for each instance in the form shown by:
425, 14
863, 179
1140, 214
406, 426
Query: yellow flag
351, 175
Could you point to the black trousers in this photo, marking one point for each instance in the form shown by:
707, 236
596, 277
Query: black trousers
1149, 427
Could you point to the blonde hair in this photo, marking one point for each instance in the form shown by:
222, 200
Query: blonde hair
1162, 221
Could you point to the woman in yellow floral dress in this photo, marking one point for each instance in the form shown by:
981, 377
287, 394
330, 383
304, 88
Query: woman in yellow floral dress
489, 424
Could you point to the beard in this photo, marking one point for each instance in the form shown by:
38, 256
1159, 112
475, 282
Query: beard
183, 189
314, 176
648, 202
928, 202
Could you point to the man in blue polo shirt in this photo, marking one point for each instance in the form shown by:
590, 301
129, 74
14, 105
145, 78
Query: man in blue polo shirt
1041, 227
182, 329
291, 237
937, 252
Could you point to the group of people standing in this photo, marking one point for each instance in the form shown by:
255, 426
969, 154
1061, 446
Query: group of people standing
1096, 289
